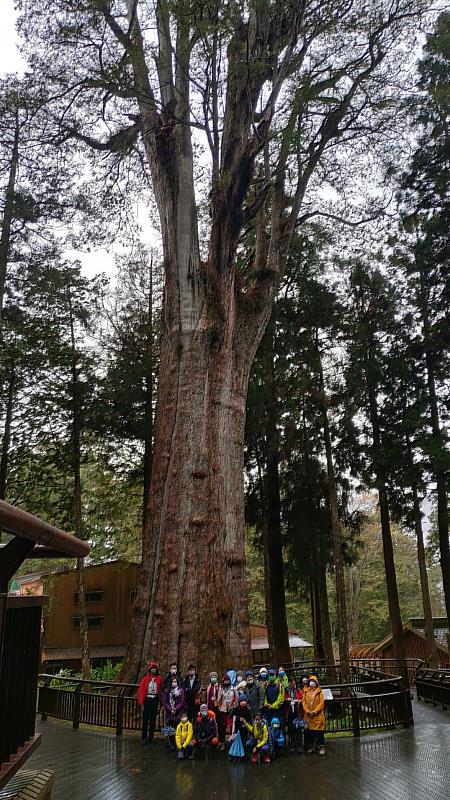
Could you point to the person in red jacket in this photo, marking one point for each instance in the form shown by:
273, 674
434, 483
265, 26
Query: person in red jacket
149, 693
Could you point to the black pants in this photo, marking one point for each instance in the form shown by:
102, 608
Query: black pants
149, 718
313, 738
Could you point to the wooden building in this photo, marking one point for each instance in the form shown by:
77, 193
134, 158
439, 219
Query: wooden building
415, 641
110, 593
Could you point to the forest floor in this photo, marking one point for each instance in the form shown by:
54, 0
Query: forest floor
402, 765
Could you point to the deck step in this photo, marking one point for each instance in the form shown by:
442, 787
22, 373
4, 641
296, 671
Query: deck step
29, 785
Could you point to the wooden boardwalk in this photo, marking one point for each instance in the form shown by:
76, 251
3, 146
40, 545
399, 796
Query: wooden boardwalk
409, 764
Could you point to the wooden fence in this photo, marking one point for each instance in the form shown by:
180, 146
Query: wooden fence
364, 705
434, 685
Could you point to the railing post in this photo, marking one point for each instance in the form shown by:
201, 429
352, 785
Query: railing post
119, 712
76, 706
46, 685
355, 717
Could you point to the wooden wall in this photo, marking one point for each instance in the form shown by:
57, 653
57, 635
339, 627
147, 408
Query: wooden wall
117, 580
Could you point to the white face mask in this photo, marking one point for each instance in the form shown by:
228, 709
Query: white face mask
312, 684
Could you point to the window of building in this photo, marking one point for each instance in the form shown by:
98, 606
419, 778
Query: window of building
133, 594
93, 622
91, 597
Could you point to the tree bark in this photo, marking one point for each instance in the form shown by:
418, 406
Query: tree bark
77, 504
325, 622
336, 536
398, 638
265, 540
432, 659
148, 421
438, 470
7, 219
277, 593
436, 461
319, 650
7, 435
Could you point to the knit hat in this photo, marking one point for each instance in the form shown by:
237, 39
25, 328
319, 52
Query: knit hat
203, 707
242, 698
226, 677
248, 672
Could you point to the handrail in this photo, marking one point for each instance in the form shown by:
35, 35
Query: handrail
16, 521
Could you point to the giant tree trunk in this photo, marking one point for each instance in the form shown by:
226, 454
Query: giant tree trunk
191, 600
432, 659
192, 580
7, 220
336, 537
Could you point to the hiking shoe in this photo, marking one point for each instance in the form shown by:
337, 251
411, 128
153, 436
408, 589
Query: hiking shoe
321, 750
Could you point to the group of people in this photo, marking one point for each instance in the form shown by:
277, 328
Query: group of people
258, 715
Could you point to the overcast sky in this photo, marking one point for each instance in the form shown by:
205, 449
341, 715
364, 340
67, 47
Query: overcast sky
10, 60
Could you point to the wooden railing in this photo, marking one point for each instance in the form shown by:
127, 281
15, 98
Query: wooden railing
365, 705
327, 672
20, 631
434, 685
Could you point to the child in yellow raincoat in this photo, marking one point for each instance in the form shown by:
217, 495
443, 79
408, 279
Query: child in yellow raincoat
258, 742
314, 707
183, 737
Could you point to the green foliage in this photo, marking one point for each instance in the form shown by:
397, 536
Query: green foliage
368, 599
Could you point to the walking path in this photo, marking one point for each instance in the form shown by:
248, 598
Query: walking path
411, 764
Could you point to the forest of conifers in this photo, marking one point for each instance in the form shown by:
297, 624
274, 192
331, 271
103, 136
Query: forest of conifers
200, 198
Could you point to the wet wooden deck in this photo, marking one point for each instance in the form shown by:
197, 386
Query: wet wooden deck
404, 765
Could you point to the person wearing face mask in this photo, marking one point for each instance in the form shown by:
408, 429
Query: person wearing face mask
148, 698
212, 692
259, 740
192, 686
254, 692
263, 676
278, 737
241, 716
205, 730
274, 696
173, 672
183, 737
283, 678
174, 705
240, 681
226, 700
314, 707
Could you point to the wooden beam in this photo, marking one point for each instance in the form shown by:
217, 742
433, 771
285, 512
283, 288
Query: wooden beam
20, 523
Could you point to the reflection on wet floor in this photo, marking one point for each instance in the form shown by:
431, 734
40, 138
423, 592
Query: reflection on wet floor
409, 764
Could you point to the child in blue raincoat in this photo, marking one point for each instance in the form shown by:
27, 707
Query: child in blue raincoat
278, 737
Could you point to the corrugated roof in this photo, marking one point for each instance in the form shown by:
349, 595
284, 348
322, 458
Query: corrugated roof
262, 642
74, 653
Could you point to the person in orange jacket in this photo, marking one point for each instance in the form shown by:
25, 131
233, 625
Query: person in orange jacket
314, 708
